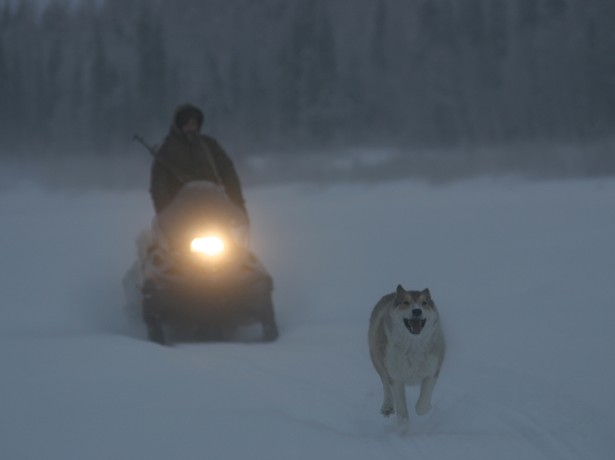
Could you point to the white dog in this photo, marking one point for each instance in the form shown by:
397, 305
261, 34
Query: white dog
406, 345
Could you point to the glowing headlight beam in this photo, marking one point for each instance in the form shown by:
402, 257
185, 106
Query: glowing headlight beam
210, 246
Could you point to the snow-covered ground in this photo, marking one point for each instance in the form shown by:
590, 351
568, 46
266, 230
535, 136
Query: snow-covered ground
523, 274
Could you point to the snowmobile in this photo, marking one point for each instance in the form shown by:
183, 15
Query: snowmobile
198, 279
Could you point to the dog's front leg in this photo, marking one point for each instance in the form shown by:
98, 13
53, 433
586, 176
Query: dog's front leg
387, 402
423, 405
399, 401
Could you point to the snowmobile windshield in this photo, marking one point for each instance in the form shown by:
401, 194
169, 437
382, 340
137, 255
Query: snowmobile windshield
199, 207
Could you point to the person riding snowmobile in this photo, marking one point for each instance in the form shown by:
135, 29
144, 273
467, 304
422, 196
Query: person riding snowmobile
187, 293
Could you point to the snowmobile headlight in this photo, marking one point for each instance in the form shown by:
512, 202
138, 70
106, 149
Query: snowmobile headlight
209, 246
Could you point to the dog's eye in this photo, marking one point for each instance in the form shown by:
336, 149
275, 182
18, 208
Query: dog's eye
405, 302
424, 303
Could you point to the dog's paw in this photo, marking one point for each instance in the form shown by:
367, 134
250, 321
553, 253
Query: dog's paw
386, 410
422, 407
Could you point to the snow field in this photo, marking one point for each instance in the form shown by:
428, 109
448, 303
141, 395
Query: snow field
522, 274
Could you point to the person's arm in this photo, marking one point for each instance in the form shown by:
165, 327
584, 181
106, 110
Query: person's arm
232, 184
161, 186
228, 175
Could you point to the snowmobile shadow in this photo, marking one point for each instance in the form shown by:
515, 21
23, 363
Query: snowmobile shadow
252, 333
131, 325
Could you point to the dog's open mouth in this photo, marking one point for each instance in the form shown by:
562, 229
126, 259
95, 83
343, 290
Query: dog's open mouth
415, 325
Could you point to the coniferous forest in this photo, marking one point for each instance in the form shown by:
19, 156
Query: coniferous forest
273, 75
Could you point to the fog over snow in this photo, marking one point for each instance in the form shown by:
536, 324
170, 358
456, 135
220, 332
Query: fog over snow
522, 272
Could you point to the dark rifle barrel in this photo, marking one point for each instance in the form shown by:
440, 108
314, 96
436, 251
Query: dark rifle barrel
170, 167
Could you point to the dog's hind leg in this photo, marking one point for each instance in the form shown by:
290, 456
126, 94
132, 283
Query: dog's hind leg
399, 400
387, 403
423, 404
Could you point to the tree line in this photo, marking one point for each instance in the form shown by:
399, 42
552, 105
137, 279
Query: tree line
277, 75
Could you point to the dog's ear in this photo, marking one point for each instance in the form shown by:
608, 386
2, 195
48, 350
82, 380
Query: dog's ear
426, 293
400, 292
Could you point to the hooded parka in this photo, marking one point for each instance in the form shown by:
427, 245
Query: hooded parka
178, 161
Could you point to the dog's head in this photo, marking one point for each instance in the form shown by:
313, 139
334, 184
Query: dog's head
415, 310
